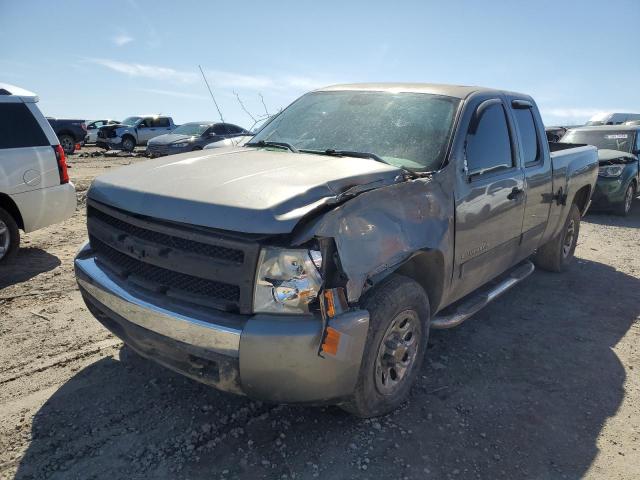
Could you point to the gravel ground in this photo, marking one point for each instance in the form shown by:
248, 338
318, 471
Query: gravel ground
541, 384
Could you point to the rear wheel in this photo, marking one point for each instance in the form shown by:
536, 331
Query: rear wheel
9, 236
556, 255
624, 208
67, 143
396, 343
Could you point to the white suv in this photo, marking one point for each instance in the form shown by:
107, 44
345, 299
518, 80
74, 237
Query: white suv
34, 185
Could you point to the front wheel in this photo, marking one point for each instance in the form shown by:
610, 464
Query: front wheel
556, 255
396, 343
624, 208
128, 144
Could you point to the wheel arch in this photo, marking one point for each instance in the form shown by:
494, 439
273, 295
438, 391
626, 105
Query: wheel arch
12, 209
581, 198
426, 267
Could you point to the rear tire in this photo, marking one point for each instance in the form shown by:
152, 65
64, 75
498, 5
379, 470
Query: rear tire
624, 208
556, 255
396, 344
67, 143
9, 236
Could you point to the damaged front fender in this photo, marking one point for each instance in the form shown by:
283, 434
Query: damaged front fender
377, 230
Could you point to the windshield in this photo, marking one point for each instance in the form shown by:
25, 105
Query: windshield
622, 140
131, 121
192, 129
408, 130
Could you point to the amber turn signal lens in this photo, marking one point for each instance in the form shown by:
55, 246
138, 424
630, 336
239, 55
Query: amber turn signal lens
331, 341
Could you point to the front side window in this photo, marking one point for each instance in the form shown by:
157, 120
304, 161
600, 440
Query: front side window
18, 127
220, 129
489, 145
407, 130
528, 135
192, 129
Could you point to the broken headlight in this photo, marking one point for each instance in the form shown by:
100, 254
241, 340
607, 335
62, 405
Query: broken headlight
286, 280
611, 171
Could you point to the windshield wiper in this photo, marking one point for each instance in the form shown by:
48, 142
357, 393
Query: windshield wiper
351, 153
267, 143
355, 154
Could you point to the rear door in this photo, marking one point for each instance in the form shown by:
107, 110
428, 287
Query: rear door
536, 164
489, 197
27, 158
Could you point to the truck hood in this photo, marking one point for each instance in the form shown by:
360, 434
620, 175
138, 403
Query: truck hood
615, 156
239, 189
168, 138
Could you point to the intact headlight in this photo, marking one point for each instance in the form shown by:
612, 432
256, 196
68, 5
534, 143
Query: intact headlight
611, 171
287, 280
179, 145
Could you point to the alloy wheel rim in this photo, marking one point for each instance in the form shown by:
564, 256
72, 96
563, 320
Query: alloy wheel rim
569, 238
397, 352
4, 239
67, 144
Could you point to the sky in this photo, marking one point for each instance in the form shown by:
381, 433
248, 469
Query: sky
114, 59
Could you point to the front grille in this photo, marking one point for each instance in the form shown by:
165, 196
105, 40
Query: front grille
213, 251
187, 264
164, 280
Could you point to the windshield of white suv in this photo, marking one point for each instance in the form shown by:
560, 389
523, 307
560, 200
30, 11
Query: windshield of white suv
408, 130
192, 129
622, 140
130, 121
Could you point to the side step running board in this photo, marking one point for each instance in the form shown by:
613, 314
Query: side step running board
455, 315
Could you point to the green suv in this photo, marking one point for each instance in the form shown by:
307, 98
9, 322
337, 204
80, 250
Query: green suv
618, 177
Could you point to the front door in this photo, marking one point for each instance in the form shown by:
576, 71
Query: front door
489, 199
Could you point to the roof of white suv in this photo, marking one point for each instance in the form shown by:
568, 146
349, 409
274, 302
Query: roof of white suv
6, 89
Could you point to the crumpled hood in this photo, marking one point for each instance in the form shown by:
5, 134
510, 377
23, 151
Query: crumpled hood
606, 155
168, 138
238, 189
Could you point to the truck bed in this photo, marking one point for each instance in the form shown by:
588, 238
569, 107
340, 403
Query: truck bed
573, 166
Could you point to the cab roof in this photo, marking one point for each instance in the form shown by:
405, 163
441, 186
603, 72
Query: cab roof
456, 91
6, 89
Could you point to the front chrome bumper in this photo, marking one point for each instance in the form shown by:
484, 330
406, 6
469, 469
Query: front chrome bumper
196, 330
269, 357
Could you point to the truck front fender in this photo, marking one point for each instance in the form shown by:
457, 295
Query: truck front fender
377, 231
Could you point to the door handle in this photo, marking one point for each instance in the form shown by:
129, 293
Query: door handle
515, 193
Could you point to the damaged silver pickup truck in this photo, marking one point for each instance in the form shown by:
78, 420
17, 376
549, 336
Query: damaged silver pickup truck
309, 265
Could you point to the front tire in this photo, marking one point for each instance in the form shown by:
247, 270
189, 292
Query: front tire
9, 236
396, 343
128, 144
557, 254
624, 208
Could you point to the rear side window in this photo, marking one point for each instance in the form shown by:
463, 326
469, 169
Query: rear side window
19, 128
160, 122
528, 135
489, 147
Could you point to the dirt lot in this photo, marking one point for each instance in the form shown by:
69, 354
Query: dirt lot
542, 384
